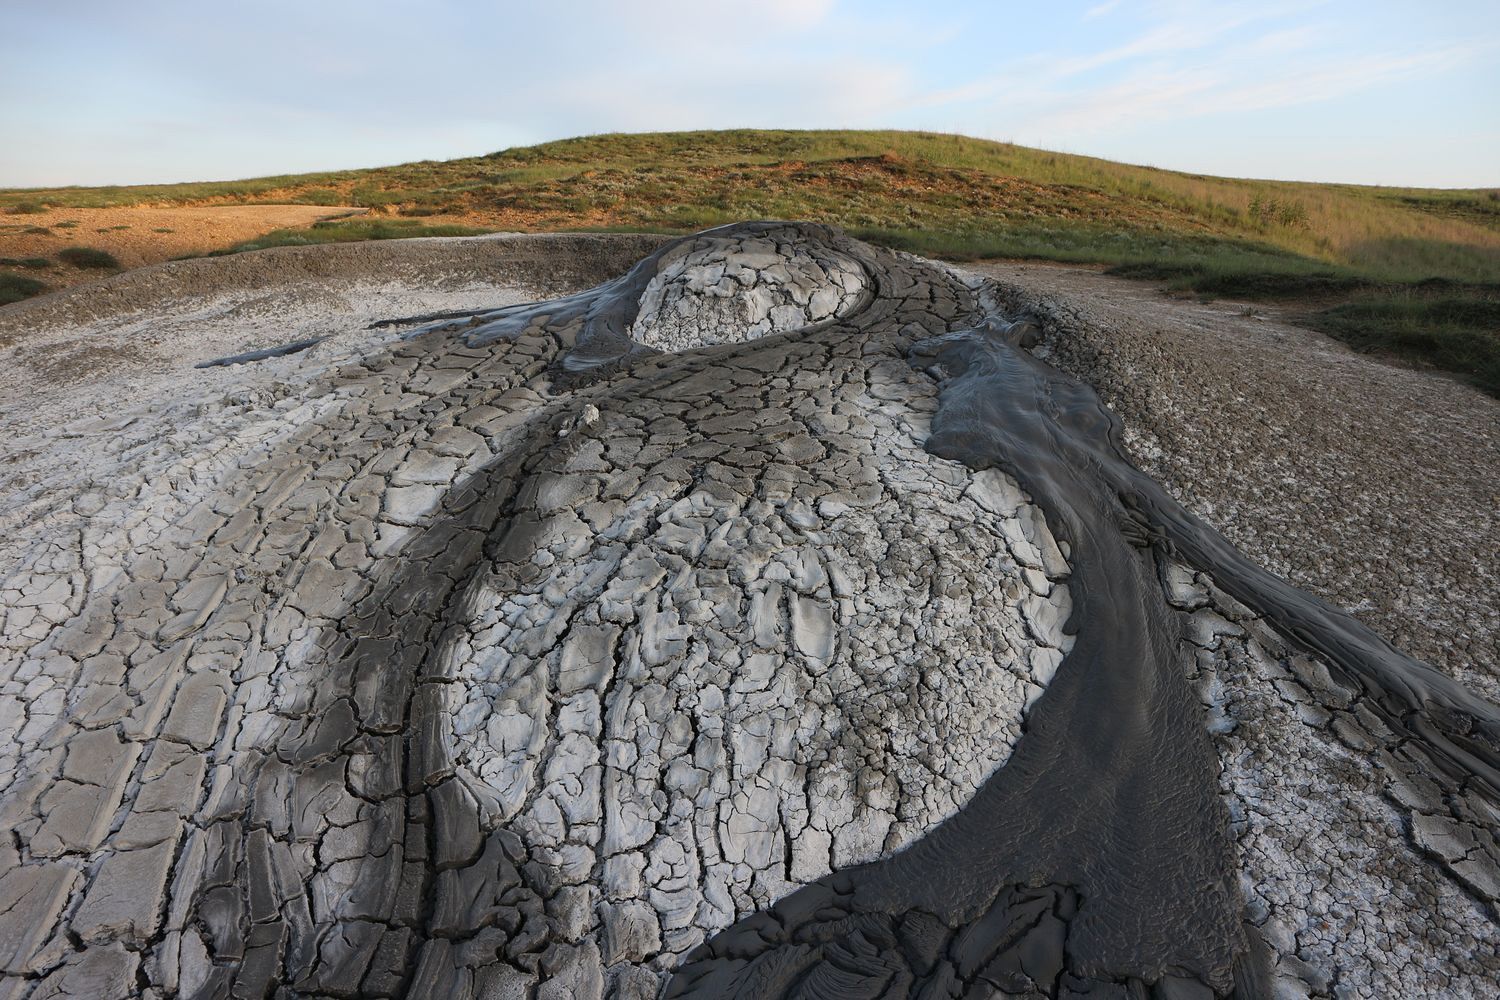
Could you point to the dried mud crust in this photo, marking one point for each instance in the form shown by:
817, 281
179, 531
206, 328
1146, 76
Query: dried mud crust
1318, 788
1368, 484
510, 655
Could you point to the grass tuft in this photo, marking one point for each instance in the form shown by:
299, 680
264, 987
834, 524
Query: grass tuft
88, 257
1460, 333
15, 287
352, 231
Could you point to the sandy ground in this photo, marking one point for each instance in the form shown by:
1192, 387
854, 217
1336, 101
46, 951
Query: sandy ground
1369, 484
141, 235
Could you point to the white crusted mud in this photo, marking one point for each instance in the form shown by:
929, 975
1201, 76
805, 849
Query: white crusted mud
1366, 872
726, 651
719, 291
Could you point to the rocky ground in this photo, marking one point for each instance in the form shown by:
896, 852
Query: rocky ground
713, 632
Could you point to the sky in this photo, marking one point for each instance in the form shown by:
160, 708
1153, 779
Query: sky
147, 91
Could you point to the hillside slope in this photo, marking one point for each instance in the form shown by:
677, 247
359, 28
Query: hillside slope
945, 192
943, 196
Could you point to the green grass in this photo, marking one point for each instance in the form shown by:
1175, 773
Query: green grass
116, 196
963, 192
15, 287
1448, 324
88, 257
334, 231
1457, 332
938, 195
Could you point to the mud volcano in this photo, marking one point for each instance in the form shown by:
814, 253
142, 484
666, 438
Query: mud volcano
764, 622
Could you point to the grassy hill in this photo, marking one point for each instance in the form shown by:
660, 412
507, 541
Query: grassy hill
1421, 266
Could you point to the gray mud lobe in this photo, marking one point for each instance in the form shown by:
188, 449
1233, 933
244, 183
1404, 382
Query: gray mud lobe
762, 622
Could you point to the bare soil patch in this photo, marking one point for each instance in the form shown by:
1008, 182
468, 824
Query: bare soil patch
141, 235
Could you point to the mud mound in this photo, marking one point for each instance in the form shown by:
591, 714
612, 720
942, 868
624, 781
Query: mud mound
762, 621
723, 290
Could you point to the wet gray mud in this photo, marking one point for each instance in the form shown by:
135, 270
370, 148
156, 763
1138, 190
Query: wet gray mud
763, 622
263, 354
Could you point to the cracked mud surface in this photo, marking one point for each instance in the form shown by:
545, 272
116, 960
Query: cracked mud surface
1318, 791
761, 622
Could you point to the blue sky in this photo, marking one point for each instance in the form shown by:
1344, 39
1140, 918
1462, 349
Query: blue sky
143, 91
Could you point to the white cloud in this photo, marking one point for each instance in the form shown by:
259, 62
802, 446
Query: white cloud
1159, 93
1039, 72
797, 13
370, 81
1288, 40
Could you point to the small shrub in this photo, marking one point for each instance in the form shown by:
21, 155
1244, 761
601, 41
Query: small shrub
1277, 212
15, 287
67, 224
163, 230
368, 197
37, 231
34, 263
88, 257
26, 208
